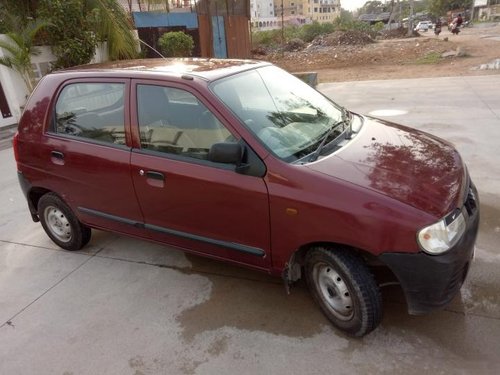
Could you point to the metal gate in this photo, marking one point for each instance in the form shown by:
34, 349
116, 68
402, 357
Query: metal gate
219, 37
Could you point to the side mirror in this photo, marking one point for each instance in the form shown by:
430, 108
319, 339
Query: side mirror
226, 152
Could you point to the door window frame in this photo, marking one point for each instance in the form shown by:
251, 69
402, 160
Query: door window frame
135, 131
50, 129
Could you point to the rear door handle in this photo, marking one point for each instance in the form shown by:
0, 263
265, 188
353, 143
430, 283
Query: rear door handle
155, 175
57, 157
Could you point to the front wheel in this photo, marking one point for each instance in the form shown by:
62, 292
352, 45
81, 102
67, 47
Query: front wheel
346, 291
61, 224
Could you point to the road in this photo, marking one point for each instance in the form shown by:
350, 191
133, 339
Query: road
123, 306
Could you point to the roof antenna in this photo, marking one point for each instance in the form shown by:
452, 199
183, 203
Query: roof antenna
147, 45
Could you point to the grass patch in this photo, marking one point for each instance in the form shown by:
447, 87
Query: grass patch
430, 58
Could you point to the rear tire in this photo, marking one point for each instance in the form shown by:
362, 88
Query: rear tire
61, 224
346, 291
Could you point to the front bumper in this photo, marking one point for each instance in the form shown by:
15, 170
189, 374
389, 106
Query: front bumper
430, 282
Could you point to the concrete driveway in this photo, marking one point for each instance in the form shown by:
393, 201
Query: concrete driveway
124, 306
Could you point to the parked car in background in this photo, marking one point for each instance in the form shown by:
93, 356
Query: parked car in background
424, 26
240, 161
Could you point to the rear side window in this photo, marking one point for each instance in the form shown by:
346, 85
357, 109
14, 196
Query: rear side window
93, 111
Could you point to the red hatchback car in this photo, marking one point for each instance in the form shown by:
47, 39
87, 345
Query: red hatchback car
240, 161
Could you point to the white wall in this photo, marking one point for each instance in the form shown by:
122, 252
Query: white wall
15, 90
14, 87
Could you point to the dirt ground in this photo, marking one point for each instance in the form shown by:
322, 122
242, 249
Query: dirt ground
399, 58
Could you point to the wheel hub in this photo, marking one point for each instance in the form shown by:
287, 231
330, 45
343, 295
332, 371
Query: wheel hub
58, 224
334, 291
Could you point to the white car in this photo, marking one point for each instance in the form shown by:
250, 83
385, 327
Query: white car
423, 26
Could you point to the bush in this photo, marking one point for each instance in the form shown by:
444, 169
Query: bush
176, 44
294, 44
307, 33
378, 27
312, 30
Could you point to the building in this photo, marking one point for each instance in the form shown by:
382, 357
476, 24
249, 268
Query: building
306, 11
262, 15
324, 11
487, 10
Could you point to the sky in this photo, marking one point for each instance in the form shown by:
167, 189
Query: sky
352, 4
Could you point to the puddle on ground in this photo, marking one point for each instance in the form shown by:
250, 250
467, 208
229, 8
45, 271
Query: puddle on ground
250, 301
242, 300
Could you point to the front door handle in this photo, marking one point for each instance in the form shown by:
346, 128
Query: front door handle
153, 178
155, 175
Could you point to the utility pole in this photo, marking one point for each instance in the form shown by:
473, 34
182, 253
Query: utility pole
282, 30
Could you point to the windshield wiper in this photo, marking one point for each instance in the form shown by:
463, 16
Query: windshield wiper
345, 120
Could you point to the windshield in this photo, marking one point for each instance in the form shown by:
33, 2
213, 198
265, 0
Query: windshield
288, 116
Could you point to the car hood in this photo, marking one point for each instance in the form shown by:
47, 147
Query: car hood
410, 166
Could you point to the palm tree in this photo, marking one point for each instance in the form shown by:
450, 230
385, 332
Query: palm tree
113, 26
20, 46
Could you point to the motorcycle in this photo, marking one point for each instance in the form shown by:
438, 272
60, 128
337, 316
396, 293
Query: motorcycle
454, 28
437, 30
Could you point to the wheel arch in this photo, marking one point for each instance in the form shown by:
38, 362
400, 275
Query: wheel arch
34, 195
293, 268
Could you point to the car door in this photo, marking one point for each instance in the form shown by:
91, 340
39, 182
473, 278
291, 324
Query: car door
86, 153
186, 200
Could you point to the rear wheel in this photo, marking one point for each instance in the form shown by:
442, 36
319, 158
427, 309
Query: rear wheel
61, 224
346, 291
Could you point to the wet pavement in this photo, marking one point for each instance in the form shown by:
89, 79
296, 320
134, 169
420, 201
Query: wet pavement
124, 306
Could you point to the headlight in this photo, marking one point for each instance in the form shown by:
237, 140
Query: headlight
441, 236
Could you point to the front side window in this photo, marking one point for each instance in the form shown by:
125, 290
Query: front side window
174, 121
288, 116
92, 111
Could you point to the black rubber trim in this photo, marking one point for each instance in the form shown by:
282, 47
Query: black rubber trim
111, 217
228, 245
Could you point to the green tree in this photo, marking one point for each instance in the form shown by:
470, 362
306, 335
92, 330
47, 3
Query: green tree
80, 24
20, 46
113, 25
440, 7
71, 37
176, 44
374, 6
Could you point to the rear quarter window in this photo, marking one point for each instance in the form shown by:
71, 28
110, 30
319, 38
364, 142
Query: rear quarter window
92, 111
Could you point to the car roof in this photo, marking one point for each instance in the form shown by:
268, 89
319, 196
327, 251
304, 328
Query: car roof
207, 69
